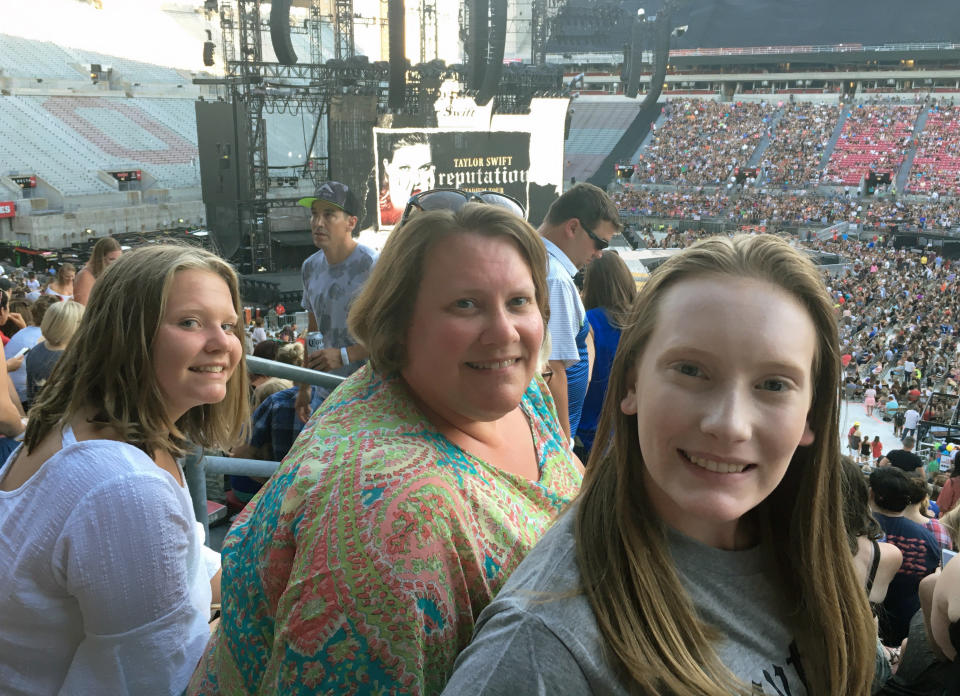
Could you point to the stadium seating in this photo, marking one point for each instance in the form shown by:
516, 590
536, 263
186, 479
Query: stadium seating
37, 59
595, 127
701, 142
66, 140
26, 58
936, 166
797, 148
874, 138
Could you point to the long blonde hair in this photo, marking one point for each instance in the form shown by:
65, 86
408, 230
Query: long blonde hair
647, 619
108, 367
60, 322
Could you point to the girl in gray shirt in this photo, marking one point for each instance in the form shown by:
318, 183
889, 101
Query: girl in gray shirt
706, 552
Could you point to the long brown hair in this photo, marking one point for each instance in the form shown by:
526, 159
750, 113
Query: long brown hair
62, 272
98, 258
645, 616
857, 517
108, 367
609, 284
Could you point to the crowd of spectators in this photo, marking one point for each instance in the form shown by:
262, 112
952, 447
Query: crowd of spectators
689, 203
796, 150
872, 213
687, 169
897, 319
670, 237
769, 206
702, 142
936, 166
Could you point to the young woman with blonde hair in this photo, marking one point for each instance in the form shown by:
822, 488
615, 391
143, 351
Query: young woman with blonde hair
706, 552
106, 586
62, 284
58, 326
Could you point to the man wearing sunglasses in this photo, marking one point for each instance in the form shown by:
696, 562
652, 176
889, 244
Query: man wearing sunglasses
578, 226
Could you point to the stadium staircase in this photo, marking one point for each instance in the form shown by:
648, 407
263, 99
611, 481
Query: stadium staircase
757, 157
595, 128
628, 144
903, 175
834, 139
658, 123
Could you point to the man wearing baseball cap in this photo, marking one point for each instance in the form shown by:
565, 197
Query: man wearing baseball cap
332, 277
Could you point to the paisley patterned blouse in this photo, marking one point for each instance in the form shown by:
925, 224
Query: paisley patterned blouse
362, 565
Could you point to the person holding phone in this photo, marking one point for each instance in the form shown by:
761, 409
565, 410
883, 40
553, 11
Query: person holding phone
704, 553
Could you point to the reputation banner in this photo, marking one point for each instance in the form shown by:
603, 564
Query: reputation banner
410, 161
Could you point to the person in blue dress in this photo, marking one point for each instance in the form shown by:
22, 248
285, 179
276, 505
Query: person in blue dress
608, 293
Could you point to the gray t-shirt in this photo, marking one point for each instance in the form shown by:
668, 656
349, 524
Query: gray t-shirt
328, 291
530, 641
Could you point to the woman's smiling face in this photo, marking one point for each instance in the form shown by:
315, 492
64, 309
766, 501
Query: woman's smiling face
721, 393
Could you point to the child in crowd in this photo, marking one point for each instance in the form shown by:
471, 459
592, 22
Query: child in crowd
877, 449
854, 438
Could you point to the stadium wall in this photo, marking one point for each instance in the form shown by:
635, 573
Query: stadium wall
58, 230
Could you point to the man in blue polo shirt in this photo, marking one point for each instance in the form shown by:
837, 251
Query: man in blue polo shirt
578, 226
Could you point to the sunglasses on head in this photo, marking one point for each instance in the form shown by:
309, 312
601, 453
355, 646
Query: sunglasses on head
598, 242
454, 199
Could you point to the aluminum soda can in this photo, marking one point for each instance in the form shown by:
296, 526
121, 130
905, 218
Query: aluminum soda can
314, 342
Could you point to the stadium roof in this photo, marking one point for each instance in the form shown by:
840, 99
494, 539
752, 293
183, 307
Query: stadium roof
742, 23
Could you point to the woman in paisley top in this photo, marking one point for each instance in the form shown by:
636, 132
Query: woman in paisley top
415, 489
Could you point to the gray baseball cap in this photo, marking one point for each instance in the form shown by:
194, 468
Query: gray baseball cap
335, 196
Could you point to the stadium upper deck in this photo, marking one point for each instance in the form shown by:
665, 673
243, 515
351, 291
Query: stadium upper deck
603, 27
98, 141
72, 132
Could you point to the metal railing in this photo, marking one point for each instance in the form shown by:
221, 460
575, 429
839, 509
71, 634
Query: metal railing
830, 48
197, 464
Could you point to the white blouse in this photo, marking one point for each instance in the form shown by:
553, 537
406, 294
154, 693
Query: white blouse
51, 291
104, 588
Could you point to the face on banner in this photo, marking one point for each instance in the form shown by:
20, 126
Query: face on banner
409, 170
